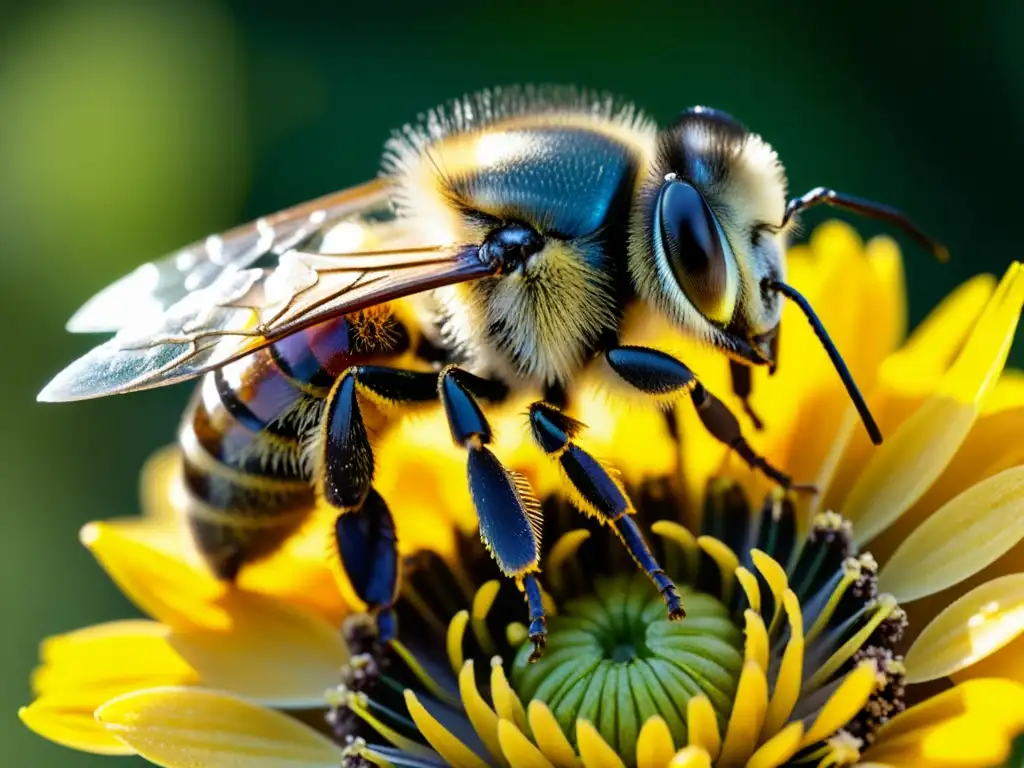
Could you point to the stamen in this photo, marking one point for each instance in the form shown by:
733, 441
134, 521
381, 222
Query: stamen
829, 542
850, 573
881, 610
424, 677
483, 600
454, 637
357, 703
725, 559
888, 699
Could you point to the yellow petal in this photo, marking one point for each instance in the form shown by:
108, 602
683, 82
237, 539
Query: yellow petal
904, 467
979, 365
747, 716
702, 725
300, 571
971, 724
779, 748
845, 702
1007, 662
889, 313
281, 655
726, 560
439, 737
506, 701
58, 646
453, 639
549, 737
654, 746
750, 586
1008, 392
167, 589
975, 626
790, 675
772, 572
67, 719
594, 751
483, 718
126, 654
904, 380
991, 447
189, 727
755, 648
863, 337
934, 343
691, 757
967, 534
519, 750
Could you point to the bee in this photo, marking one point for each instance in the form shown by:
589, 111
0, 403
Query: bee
501, 250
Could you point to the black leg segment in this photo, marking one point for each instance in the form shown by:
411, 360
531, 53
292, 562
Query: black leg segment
742, 386
597, 493
347, 457
364, 532
367, 548
659, 374
509, 513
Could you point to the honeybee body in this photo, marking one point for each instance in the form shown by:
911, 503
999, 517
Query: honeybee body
506, 241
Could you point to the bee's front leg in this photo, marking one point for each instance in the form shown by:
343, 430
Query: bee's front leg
598, 493
364, 532
508, 511
663, 377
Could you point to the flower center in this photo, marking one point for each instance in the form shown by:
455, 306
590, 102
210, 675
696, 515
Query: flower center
615, 660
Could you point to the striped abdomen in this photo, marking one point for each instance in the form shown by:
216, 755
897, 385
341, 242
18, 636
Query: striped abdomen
245, 437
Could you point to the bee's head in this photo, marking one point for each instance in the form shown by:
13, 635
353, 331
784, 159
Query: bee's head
705, 233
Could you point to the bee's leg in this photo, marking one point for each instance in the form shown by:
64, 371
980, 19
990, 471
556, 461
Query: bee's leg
367, 549
742, 386
662, 376
508, 511
598, 493
364, 533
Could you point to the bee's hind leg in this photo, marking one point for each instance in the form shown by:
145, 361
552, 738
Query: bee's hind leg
663, 377
598, 493
367, 549
508, 511
364, 532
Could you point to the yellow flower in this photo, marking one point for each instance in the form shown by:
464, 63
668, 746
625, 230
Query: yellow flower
877, 622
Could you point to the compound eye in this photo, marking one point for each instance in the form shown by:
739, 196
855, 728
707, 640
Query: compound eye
692, 243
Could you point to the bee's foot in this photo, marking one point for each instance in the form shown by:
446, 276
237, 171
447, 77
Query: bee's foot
674, 603
539, 638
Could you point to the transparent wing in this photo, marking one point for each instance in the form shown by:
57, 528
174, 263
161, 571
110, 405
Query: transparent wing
246, 309
150, 290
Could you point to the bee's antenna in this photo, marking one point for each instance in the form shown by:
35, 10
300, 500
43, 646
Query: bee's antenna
837, 360
843, 201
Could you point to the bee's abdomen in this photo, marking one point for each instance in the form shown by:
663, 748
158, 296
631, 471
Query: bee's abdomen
245, 436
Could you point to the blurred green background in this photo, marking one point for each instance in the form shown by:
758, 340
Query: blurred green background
129, 127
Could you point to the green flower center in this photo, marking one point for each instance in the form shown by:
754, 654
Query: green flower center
614, 659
